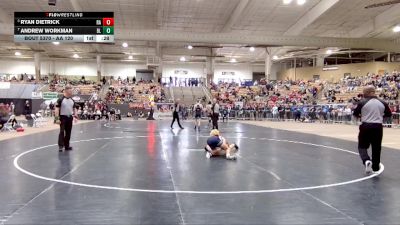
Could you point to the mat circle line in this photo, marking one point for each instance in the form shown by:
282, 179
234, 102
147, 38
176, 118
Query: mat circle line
18, 167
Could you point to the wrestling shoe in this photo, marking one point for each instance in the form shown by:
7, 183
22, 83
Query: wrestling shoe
208, 155
234, 147
231, 157
368, 167
379, 171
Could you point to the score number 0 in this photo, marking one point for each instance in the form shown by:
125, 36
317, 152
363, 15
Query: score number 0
108, 26
108, 22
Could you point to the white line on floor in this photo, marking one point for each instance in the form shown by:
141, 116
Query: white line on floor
195, 149
332, 207
172, 179
52, 185
261, 168
16, 165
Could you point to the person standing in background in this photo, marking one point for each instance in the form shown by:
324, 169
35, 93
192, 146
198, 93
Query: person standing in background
198, 110
175, 114
27, 108
215, 114
209, 113
371, 110
51, 107
12, 108
66, 113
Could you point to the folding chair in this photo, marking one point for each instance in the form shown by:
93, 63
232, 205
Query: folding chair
36, 123
41, 119
8, 125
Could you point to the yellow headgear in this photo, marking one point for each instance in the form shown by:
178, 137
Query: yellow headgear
214, 132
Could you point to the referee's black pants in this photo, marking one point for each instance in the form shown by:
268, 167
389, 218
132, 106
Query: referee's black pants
65, 131
175, 116
214, 118
370, 134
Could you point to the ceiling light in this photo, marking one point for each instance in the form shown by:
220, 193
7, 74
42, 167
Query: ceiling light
233, 60
329, 51
75, 56
287, 2
190, 47
182, 59
396, 29
301, 2
56, 43
130, 57
252, 49
125, 45
17, 53
275, 57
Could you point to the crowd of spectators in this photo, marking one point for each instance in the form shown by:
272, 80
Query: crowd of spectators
97, 110
304, 100
21, 78
266, 93
7, 114
349, 89
142, 91
283, 99
80, 87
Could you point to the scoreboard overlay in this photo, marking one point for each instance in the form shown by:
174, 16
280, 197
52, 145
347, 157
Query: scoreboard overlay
97, 27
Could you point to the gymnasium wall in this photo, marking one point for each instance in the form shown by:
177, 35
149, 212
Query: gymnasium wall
259, 68
189, 70
70, 68
221, 71
121, 69
17, 67
356, 69
233, 71
183, 70
275, 68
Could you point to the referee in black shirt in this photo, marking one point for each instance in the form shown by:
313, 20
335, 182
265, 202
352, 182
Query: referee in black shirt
64, 116
175, 114
371, 110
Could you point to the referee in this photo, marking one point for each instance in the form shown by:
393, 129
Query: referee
371, 110
215, 114
175, 114
65, 113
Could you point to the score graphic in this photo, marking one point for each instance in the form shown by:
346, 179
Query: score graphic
108, 25
97, 27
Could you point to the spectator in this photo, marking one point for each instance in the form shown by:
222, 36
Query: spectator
215, 114
27, 108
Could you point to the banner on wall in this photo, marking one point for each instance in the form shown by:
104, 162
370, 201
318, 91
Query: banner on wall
181, 72
37, 95
228, 73
49, 95
136, 105
330, 68
5, 85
